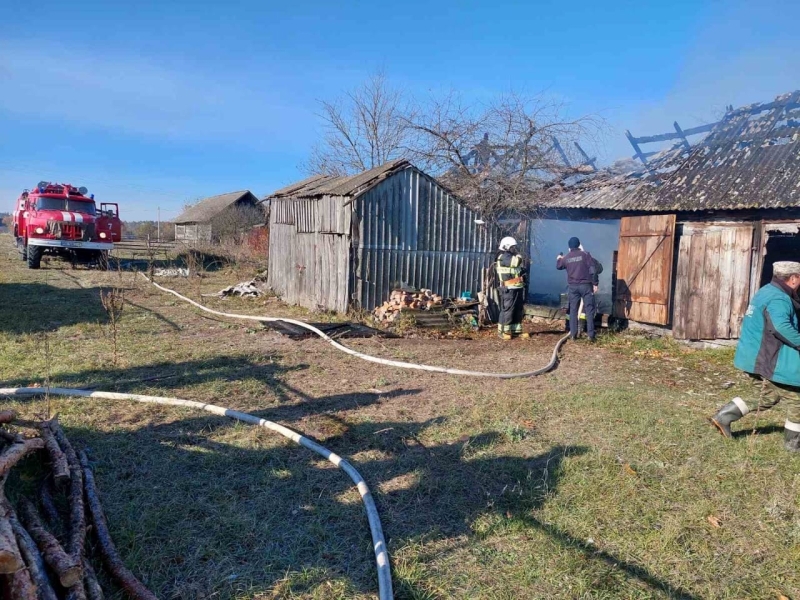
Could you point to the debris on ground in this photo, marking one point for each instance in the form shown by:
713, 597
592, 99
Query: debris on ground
171, 272
254, 288
332, 330
38, 539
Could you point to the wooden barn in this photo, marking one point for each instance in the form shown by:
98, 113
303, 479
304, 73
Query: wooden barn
692, 232
212, 218
346, 242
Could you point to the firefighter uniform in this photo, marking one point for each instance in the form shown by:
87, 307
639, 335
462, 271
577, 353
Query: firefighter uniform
512, 290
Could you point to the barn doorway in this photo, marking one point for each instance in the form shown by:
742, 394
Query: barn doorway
783, 243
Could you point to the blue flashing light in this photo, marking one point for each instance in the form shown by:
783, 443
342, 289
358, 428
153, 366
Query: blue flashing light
91, 196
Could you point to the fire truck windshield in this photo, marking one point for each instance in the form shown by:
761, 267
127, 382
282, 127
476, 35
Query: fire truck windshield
45, 203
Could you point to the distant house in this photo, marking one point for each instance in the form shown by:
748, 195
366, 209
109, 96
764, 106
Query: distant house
219, 216
347, 242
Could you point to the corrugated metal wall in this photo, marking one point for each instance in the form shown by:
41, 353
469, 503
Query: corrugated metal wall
412, 231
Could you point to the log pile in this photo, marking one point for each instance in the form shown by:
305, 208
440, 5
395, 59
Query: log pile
399, 300
43, 551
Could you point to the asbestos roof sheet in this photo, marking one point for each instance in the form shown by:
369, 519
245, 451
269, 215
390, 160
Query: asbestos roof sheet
351, 185
751, 159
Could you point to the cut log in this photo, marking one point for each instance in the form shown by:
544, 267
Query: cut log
6, 416
57, 457
48, 504
66, 567
108, 551
76, 592
22, 586
17, 451
10, 557
93, 589
30, 553
11, 438
77, 512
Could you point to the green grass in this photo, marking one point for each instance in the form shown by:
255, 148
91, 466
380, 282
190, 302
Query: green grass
594, 481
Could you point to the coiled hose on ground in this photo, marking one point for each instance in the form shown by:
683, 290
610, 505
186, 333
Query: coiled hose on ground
383, 361
378, 541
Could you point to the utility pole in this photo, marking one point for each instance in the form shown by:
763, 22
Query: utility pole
158, 232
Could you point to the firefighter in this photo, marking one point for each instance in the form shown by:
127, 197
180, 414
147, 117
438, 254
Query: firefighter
768, 351
582, 281
512, 274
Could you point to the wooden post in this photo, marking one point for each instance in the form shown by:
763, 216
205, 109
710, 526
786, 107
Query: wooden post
684, 141
587, 159
635, 143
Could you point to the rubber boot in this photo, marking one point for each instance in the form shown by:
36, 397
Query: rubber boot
791, 437
732, 411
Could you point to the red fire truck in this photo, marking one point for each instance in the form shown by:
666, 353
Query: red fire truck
60, 219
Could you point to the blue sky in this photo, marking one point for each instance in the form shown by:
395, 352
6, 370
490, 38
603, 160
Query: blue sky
155, 104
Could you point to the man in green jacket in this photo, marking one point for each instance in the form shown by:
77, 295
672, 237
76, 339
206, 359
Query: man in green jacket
769, 351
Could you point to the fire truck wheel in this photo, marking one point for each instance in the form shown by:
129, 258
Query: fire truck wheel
23, 249
35, 256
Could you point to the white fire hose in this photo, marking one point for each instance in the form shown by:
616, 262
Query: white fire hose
378, 541
383, 361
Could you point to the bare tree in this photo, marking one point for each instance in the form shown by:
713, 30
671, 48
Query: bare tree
232, 224
500, 156
364, 129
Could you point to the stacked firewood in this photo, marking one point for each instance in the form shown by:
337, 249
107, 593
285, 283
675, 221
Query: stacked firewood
399, 300
44, 554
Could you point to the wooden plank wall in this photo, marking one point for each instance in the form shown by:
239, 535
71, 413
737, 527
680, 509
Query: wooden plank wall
307, 266
644, 268
713, 280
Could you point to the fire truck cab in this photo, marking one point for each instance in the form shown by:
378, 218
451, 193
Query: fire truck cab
63, 220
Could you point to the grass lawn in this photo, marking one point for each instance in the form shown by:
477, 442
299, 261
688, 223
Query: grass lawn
600, 480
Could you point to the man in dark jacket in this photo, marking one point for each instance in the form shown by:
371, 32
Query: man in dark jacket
769, 351
582, 281
511, 273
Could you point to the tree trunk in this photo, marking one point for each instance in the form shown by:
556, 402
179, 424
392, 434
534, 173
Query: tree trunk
116, 567
48, 504
65, 566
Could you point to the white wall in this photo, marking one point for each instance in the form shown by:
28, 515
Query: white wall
599, 238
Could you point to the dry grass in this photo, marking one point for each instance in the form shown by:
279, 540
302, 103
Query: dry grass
595, 481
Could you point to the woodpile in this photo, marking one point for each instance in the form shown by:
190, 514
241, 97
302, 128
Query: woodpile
399, 300
43, 550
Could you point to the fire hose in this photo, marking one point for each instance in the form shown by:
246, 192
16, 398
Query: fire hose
378, 541
383, 361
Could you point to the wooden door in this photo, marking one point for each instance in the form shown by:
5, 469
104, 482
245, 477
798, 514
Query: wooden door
713, 280
644, 268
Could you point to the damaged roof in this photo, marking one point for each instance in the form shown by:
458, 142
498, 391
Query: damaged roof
348, 185
751, 159
208, 208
